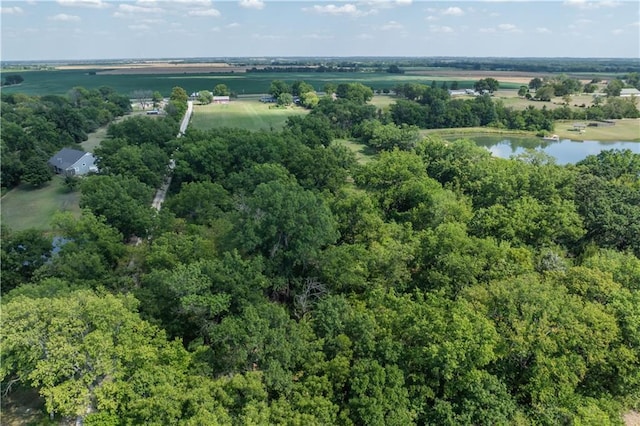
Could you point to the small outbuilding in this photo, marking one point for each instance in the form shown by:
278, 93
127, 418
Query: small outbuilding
628, 92
221, 99
72, 162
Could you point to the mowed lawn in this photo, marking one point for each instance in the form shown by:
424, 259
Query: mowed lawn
627, 129
25, 207
245, 114
364, 153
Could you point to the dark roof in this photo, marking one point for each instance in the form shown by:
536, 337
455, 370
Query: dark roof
66, 157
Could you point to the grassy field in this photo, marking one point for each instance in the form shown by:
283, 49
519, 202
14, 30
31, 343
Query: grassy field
364, 154
383, 101
24, 207
624, 130
511, 99
94, 138
245, 114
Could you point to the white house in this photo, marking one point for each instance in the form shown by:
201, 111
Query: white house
71, 162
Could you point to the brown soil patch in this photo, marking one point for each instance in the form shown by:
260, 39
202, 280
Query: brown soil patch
631, 418
158, 68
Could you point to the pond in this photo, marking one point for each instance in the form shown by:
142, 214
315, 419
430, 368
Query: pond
564, 151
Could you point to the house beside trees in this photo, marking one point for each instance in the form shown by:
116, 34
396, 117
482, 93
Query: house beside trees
72, 162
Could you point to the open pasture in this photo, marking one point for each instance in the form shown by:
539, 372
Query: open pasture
25, 207
627, 129
246, 114
511, 99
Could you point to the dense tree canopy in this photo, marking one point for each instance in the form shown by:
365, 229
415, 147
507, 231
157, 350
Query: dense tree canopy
284, 282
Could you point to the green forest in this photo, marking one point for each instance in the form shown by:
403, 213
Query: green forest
285, 283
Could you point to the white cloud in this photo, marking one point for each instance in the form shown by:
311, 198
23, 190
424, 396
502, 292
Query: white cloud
14, 10
617, 31
233, 25
509, 28
487, 30
440, 29
453, 11
98, 4
385, 4
63, 17
364, 37
205, 13
139, 27
252, 4
543, 30
430, 18
635, 24
201, 3
331, 9
583, 21
267, 36
392, 25
151, 21
315, 36
126, 10
588, 4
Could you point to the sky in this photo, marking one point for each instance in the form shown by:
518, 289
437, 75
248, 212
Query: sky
102, 29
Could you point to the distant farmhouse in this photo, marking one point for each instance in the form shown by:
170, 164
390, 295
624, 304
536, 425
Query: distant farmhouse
71, 162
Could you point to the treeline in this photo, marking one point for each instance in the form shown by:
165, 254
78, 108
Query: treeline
285, 283
34, 128
538, 65
432, 108
12, 79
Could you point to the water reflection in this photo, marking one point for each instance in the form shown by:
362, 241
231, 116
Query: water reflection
564, 151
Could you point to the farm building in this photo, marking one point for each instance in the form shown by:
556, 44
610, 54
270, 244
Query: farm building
629, 92
71, 162
221, 99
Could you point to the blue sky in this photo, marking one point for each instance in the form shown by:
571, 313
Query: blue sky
100, 29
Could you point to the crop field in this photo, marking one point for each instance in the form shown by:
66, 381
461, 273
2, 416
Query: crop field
61, 81
24, 207
247, 114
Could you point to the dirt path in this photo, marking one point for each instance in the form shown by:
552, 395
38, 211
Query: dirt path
631, 418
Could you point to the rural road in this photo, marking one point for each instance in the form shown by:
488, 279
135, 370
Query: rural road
162, 191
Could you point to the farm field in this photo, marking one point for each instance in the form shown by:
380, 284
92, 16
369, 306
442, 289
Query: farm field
61, 81
245, 114
24, 207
